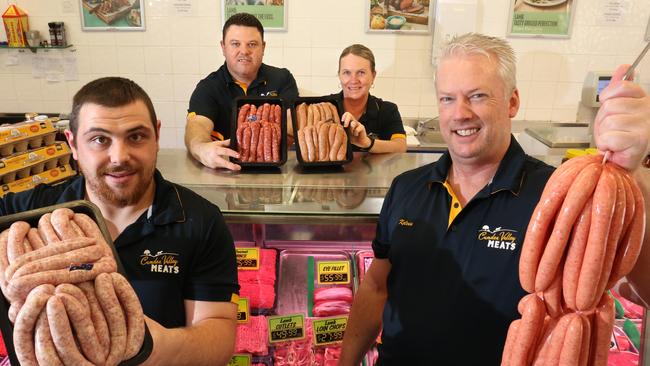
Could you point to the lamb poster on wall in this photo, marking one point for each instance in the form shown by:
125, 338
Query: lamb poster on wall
541, 18
271, 13
399, 16
112, 15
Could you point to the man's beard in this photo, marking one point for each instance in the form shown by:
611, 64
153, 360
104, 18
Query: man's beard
117, 196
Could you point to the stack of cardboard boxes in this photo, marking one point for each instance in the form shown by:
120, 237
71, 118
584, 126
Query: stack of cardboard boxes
31, 156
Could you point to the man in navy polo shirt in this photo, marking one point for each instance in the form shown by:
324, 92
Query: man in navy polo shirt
174, 245
444, 286
207, 132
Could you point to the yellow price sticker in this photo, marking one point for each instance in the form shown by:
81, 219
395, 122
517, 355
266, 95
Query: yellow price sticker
286, 327
329, 330
248, 258
240, 360
336, 272
243, 310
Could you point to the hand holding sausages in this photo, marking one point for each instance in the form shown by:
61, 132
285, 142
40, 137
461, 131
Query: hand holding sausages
622, 125
358, 135
67, 325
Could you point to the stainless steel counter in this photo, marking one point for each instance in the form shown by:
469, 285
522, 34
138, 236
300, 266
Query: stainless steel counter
354, 192
561, 136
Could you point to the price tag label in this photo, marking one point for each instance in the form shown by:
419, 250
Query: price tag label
248, 258
286, 327
331, 273
329, 330
240, 360
243, 310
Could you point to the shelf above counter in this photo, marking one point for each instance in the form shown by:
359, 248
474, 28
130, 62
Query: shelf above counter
34, 49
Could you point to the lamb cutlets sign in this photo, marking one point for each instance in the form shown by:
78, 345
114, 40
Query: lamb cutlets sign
541, 18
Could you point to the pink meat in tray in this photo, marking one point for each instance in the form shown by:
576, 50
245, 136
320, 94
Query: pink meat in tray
302, 352
259, 296
332, 293
252, 336
295, 294
266, 274
259, 285
364, 259
332, 308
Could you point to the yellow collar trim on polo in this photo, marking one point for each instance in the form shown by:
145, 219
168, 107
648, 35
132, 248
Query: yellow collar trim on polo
455, 207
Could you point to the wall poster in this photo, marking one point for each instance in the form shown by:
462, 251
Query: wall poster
112, 15
271, 13
400, 16
541, 18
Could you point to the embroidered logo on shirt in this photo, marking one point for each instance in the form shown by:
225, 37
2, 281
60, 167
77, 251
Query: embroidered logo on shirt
405, 222
499, 238
160, 262
272, 93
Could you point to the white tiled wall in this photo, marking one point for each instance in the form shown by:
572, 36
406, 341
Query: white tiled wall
175, 52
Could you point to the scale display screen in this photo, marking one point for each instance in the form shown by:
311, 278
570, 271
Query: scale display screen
603, 81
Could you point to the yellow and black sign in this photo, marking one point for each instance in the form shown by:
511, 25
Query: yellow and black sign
243, 310
331, 273
248, 258
329, 330
286, 327
240, 360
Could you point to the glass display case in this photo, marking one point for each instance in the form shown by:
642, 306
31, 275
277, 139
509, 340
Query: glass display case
306, 219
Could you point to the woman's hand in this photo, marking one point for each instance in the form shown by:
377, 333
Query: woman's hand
358, 135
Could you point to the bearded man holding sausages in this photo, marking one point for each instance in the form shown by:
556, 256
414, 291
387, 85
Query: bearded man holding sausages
442, 289
207, 132
176, 249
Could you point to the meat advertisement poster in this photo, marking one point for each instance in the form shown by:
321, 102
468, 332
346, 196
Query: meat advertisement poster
112, 15
541, 18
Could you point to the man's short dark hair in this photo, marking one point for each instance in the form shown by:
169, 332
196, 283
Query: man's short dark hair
110, 92
245, 20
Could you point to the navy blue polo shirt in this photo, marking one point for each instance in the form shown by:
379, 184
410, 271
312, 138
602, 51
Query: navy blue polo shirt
381, 118
453, 289
214, 95
179, 249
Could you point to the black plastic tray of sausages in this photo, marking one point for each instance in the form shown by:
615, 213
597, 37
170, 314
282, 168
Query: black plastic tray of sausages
294, 121
257, 118
32, 218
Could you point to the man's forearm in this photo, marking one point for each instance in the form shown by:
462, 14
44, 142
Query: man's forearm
209, 342
641, 272
196, 133
363, 326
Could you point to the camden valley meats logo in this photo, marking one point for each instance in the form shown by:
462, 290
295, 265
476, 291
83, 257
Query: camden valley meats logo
160, 262
498, 238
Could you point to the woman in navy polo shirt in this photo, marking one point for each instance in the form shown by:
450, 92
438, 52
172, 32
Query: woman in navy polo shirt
375, 125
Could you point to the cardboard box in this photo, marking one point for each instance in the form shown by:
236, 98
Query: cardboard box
49, 176
16, 137
15, 21
34, 161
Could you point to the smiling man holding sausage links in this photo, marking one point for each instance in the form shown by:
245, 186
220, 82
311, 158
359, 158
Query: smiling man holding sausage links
207, 132
175, 247
444, 285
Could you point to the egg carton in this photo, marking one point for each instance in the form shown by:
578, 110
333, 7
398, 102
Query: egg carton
18, 137
48, 176
22, 165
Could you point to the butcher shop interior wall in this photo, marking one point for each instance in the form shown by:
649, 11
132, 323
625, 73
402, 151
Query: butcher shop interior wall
180, 45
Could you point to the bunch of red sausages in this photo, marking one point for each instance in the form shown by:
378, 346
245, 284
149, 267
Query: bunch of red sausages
321, 136
259, 135
584, 236
69, 306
